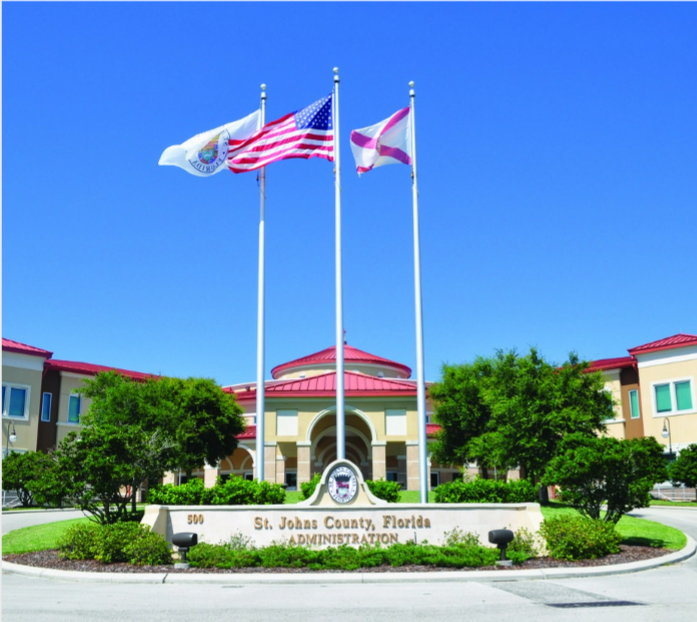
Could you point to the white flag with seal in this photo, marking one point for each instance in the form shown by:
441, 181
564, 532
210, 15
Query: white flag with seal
206, 154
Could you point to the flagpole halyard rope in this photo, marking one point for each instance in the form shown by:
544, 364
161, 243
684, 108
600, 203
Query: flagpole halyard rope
340, 415
261, 328
420, 380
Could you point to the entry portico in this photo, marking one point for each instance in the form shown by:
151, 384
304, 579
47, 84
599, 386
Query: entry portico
380, 421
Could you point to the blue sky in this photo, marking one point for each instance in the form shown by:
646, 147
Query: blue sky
557, 175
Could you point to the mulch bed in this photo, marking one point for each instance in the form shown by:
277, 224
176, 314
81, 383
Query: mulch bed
50, 559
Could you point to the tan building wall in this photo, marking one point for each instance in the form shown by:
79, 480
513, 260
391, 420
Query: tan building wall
615, 426
69, 381
658, 368
23, 371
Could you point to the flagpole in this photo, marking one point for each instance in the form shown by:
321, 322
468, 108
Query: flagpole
340, 416
420, 382
260, 393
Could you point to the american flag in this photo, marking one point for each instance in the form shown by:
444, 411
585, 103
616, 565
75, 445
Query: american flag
306, 133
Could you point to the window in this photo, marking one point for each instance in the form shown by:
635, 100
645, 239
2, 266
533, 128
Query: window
291, 480
673, 397
634, 412
286, 423
46, 407
395, 422
249, 476
435, 479
392, 476
74, 409
15, 401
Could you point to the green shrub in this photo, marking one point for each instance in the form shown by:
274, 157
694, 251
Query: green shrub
120, 542
78, 542
486, 491
235, 491
525, 545
308, 488
457, 537
284, 555
389, 491
579, 537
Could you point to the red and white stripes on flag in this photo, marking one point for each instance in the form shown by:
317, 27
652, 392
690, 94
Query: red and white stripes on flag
306, 133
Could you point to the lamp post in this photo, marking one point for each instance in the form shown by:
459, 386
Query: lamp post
11, 438
666, 434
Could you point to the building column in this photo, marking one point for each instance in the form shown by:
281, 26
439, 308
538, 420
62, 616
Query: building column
169, 478
304, 462
413, 465
280, 469
210, 475
270, 462
379, 459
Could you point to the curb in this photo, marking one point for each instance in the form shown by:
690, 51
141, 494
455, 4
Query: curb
353, 578
39, 510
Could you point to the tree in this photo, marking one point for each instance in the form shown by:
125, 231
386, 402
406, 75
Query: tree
135, 431
684, 469
20, 470
513, 411
596, 471
461, 409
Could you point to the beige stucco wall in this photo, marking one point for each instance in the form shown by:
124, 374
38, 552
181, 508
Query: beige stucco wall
69, 382
615, 426
676, 364
22, 369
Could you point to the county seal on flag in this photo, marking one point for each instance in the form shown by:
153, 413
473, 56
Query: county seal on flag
206, 154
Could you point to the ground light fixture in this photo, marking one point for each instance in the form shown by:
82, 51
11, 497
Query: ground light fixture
502, 538
184, 541
666, 434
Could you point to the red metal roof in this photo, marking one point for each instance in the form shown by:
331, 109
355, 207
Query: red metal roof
90, 369
432, 429
22, 348
351, 355
616, 363
676, 341
355, 385
250, 432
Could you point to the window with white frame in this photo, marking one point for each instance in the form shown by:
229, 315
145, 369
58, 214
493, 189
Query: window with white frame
634, 412
286, 423
74, 406
46, 400
673, 397
395, 422
15, 400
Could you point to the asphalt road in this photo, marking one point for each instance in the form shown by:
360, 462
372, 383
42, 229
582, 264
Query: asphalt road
666, 593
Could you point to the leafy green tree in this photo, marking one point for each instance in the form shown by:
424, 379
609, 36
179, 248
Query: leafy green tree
136, 431
461, 409
684, 469
596, 471
47, 486
513, 411
19, 470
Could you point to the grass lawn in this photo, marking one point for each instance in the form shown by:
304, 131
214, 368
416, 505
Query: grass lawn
37, 538
636, 531
678, 504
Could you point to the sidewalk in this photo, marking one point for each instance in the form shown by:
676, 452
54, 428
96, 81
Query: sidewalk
354, 577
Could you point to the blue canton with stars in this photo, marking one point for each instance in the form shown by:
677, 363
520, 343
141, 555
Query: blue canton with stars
317, 116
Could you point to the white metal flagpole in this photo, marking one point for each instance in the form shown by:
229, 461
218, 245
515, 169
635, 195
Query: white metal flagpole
340, 417
260, 405
420, 381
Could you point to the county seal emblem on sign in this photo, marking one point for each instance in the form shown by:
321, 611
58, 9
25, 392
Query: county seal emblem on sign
211, 155
342, 484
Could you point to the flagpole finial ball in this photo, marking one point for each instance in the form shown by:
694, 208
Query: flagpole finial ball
336, 70
411, 84
263, 87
